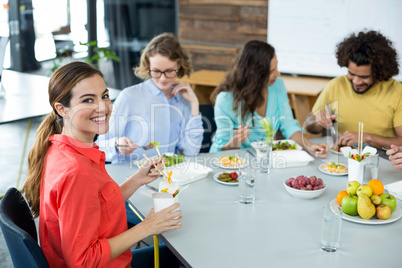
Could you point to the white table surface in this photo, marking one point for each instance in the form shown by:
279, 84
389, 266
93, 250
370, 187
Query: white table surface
27, 96
278, 230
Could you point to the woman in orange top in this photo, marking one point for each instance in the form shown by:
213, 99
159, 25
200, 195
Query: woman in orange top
82, 219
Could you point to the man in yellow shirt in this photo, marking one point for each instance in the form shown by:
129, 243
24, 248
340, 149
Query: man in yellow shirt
366, 94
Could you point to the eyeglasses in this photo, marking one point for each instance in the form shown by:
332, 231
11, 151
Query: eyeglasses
167, 73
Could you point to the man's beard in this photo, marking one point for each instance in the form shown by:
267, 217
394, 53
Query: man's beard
361, 92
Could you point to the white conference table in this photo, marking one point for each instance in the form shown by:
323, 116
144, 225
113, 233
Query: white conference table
278, 230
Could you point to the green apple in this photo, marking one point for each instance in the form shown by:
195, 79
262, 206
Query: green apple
375, 199
383, 212
352, 187
364, 189
390, 200
349, 205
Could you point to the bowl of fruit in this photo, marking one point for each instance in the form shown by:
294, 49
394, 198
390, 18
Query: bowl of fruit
305, 187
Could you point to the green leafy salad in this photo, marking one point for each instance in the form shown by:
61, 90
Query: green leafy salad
283, 146
173, 160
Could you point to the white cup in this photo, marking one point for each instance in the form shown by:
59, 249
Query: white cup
355, 170
163, 200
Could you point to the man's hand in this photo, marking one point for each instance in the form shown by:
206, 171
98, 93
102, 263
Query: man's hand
395, 156
316, 123
125, 146
323, 119
347, 139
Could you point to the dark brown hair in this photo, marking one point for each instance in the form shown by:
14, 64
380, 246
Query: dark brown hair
372, 48
61, 84
248, 76
165, 44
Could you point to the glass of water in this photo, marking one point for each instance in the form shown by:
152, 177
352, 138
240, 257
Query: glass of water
331, 227
246, 187
263, 149
370, 168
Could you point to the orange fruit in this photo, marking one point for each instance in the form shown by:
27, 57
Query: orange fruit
376, 186
340, 196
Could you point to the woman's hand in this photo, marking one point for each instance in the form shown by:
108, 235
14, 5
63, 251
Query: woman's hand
319, 150
240, 136
125, 146
148, 173
185, 91
163, 221
188, 94
395, 156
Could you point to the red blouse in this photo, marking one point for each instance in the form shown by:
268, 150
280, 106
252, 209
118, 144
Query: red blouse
80, 207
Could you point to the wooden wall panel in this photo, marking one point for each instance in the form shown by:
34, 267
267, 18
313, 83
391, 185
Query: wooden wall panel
219, 24
227, 2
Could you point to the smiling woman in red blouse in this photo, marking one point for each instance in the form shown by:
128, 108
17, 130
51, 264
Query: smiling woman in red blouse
82, 219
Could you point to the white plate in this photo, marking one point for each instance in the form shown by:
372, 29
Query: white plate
320, 168
188, 172
244, 164
291, 142
216, 175
396, 215
332, 150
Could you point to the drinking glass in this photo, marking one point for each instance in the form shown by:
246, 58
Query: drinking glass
264, 150
331, 228
246, 187
370, 168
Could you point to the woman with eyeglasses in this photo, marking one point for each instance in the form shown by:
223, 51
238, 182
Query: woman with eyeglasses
160, 109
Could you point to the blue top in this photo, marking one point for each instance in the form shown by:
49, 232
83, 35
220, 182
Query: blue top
278, 111
144, 114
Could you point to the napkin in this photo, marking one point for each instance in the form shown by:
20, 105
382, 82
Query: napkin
395, 189
290, 158
188, 172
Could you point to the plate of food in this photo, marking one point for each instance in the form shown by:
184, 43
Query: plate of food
231, 161
227, 178
396, 215
334, 169
283, 145
335, 151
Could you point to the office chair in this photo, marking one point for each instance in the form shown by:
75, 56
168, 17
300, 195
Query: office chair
208, 123
19, 231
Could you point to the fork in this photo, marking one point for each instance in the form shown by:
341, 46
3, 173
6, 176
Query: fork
389, 148
145, 147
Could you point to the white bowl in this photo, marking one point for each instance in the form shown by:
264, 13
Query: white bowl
303, 193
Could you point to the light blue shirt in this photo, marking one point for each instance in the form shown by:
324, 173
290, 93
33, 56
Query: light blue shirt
144, 114
278, 111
